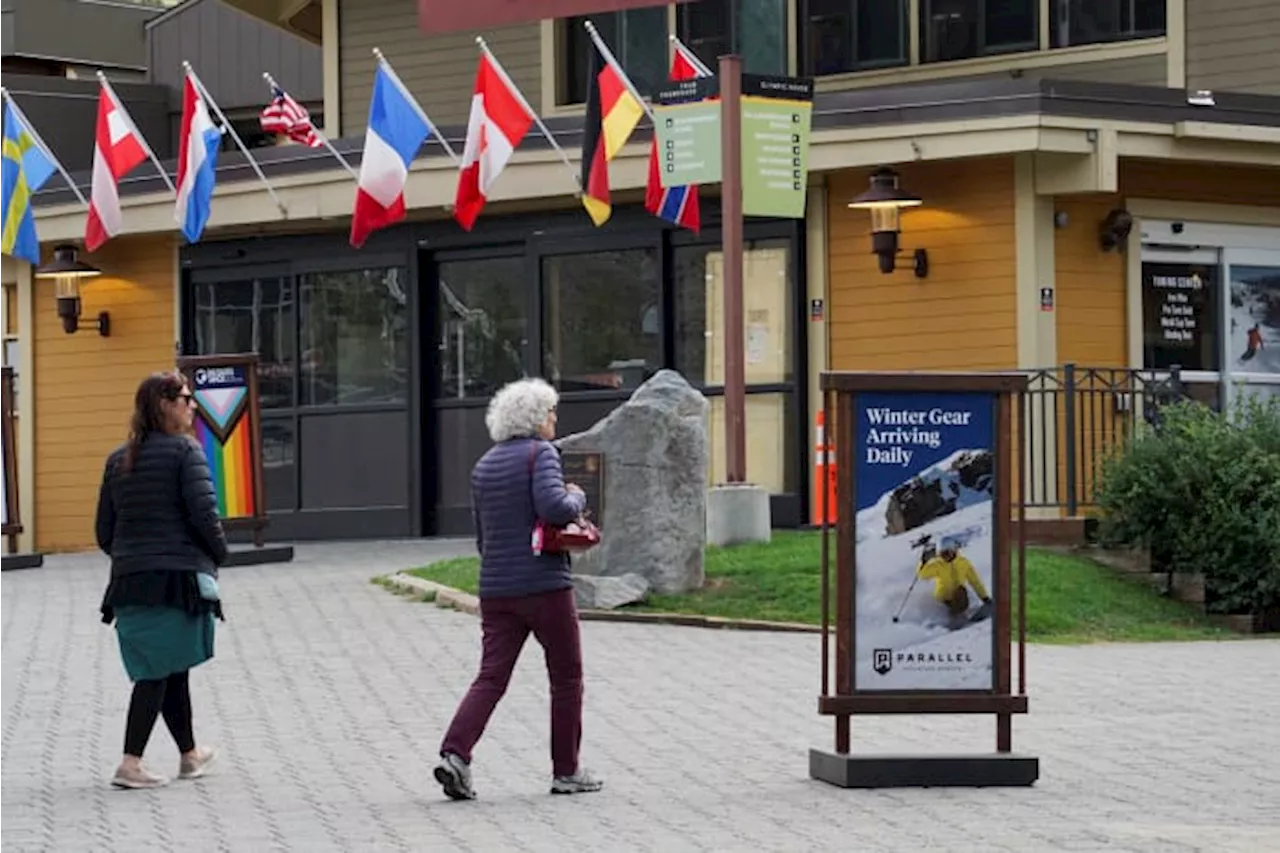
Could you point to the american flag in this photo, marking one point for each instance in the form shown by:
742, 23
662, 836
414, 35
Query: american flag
286, 116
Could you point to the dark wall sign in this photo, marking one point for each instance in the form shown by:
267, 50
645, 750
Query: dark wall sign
586, 468
1180, 316
446, 16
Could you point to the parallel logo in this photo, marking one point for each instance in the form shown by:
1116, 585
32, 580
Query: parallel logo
882, 660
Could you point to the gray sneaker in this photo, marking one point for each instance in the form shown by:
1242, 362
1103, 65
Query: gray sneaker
137, 778
581, 782
454, 775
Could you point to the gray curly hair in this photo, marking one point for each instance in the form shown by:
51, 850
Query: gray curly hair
519, 408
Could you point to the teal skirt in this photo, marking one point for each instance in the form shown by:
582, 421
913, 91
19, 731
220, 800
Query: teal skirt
156, 642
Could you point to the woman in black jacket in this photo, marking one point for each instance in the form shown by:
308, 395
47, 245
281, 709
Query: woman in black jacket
158, 522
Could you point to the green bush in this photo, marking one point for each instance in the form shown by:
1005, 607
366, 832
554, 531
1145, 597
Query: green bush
1203, 492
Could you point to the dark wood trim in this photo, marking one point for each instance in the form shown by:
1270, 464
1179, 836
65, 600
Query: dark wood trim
13, 515
1000, 573
898, 703
991, 383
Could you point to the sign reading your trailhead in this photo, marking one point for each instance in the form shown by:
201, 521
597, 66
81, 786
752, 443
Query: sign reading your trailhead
924, 480
686, 121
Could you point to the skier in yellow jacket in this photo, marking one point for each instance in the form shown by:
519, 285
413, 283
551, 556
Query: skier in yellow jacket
950, 571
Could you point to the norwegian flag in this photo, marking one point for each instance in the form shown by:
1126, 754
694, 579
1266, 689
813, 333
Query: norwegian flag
287, 117
118, 149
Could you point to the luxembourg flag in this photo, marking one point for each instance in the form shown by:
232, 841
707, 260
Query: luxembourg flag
198, 141
397, 129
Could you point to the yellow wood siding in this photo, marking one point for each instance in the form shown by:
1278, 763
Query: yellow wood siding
1091, 297
84, 383
439, 70
964, 315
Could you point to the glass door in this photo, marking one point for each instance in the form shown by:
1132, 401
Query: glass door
1252, 329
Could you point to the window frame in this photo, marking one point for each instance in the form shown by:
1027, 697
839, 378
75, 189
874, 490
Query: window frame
983, 51
801, 46
1056, 9
1040, 53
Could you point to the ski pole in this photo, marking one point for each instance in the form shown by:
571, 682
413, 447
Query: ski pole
906, 597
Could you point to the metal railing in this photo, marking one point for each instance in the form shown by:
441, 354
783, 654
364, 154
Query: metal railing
1075, 417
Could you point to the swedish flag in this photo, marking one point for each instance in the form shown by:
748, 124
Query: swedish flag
26, 168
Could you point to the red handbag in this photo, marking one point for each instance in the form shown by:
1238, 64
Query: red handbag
578, 535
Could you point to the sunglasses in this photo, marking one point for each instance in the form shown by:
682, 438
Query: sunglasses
186, 398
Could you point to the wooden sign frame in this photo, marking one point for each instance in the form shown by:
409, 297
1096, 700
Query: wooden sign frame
840, 393
248, 362
13, 516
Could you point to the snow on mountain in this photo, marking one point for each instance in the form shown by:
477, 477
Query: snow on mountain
871, 521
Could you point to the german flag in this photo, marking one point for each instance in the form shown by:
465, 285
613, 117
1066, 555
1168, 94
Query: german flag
612, 114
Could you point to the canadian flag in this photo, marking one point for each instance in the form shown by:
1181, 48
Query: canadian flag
499, 120
118, 149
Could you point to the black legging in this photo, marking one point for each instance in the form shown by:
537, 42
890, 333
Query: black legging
170, 696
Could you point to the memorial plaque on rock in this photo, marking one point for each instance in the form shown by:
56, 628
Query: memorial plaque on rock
586, 469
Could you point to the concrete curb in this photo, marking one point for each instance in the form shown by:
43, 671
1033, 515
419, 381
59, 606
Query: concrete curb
447, 596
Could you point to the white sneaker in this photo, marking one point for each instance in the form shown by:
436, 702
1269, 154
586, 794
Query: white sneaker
581, 782
454, 775
137, 778
194, 768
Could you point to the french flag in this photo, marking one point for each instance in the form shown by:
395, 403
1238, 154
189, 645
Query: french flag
198, 141
397, 129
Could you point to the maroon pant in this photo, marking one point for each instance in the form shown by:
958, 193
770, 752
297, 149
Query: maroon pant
552, 617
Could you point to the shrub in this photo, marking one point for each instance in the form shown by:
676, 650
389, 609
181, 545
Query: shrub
1203, 492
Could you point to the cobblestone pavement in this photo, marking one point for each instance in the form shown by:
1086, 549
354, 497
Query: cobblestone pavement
328, 697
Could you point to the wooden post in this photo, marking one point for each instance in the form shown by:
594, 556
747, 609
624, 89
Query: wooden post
731, 247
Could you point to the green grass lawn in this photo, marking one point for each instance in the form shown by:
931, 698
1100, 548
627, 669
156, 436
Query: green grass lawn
1069, 599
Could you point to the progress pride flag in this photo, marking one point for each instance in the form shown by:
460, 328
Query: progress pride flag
446, 16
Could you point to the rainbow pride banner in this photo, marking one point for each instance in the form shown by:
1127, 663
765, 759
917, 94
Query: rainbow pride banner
226, 427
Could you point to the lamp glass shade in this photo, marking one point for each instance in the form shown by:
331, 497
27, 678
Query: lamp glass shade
66, 287
884, 217
66, 265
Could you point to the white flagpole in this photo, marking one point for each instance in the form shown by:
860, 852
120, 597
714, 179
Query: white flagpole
413, 102
44, 149
236, 137
115, 100
690, 56
613, 63
324, 139
502, 72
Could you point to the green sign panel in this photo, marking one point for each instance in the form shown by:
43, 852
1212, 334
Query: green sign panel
775, 156
688, 142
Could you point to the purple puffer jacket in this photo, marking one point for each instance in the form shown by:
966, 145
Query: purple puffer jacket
512, 481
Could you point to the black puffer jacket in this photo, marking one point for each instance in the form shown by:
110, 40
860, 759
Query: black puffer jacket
162, 515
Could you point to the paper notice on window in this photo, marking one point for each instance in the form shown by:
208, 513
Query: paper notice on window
757, 342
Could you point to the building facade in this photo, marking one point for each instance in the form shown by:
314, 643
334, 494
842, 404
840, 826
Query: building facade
1030, 129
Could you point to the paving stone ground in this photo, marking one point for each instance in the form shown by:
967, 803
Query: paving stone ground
328, 697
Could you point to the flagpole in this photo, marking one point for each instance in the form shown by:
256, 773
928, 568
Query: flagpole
413, 102
44, 149
690, 56
613, 63
502, 72
324, 139
155, 161
195, 78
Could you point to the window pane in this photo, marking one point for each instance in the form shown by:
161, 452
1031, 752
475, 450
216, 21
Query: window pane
771, 442
882, 32
762, 35
279, 472
706, 28
601, 319
1254, 327
354, 336
828, 37
768, 313
1089, 22
253, 315
948, 29
637, 37
1011, 23
1180, 316
481, 326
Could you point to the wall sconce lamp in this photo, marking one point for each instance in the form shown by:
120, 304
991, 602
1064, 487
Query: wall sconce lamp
885, 200
66, 270
1114, 231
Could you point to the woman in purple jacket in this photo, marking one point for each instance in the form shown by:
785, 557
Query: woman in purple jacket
518, 481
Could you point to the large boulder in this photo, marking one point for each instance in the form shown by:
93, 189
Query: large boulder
655, 486
596, 592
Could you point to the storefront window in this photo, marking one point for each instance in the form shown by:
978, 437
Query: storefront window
768, 316
1180, 315
250, 315
279, 470
771, 441
481, 326
601, 319
354, 337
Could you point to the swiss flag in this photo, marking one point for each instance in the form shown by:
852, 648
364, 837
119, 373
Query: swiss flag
499, 120
118, 149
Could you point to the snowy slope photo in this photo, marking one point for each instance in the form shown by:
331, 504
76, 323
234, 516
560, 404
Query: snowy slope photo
1254, 330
